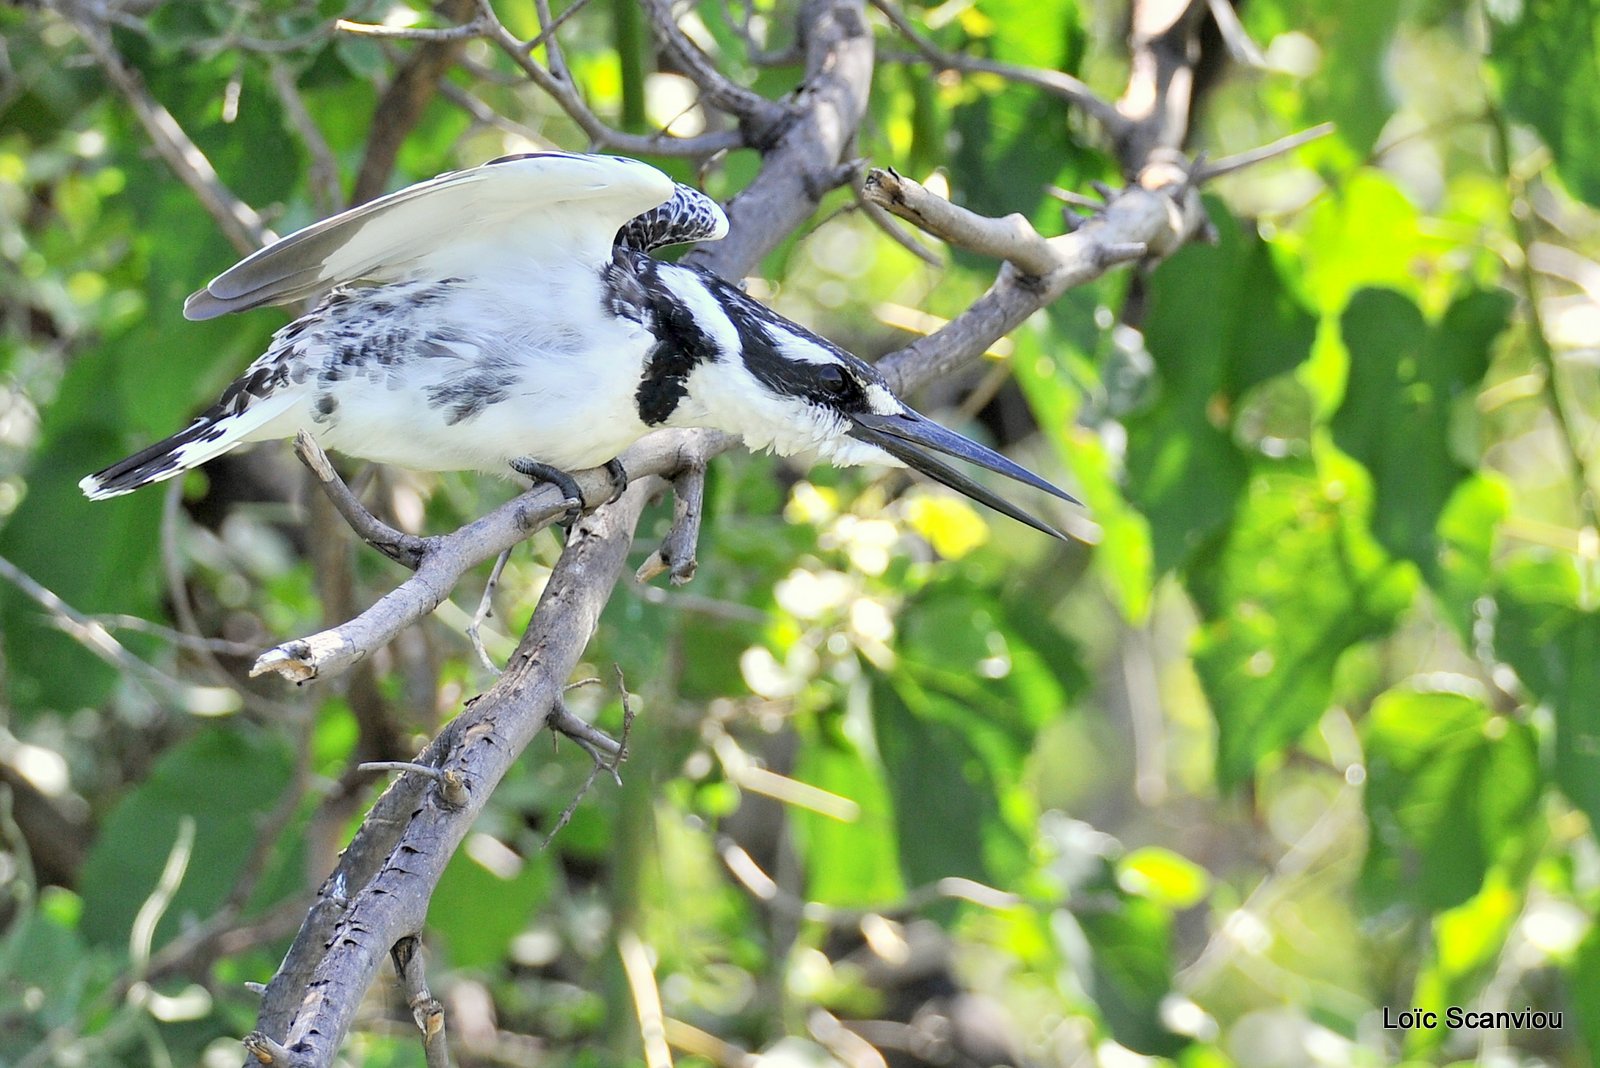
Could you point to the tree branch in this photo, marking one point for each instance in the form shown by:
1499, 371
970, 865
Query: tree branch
1057, 83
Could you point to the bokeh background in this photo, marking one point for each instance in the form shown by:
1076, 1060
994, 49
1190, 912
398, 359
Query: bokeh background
1306, 724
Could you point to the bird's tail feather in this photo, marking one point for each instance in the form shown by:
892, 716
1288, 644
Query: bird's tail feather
209, 436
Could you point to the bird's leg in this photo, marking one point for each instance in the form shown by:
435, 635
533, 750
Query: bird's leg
619, 478
539, 472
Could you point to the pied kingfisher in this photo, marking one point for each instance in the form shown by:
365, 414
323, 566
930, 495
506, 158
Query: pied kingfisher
509, 316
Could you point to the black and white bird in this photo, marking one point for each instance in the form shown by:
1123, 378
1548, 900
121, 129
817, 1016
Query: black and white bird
510, 317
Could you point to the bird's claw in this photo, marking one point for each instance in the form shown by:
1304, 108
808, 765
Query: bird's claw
619, 478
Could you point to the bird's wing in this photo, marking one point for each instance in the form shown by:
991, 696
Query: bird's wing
538, 206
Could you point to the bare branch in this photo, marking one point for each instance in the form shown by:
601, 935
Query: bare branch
566, 94
757, 115
1012, 238
1205, 172
425, 1008
677, 552
1241, 49
465, 32
405, 549
381, 889
446, 558
1056, 83
1151, 217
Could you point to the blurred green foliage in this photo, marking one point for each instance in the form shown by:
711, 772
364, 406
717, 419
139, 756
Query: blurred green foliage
1304, 727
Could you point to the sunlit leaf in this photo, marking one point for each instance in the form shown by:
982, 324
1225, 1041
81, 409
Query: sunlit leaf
1450, 785
1221, 320
1406, 379
1297, 582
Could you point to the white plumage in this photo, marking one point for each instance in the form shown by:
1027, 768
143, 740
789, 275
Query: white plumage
509, 316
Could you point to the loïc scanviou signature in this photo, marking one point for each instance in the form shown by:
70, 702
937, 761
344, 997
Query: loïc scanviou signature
1457, 1018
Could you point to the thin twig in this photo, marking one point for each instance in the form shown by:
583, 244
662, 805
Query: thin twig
405, 549
677, 553
465, 32
485, 610
755, 112
425, 1008
566, 95
1057, 83
1205, 172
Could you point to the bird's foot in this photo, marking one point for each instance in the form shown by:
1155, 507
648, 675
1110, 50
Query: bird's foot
619, 478
539, 472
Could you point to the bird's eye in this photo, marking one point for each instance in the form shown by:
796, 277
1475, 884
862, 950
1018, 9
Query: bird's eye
831, 378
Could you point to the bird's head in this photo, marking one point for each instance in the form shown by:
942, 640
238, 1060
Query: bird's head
803, 394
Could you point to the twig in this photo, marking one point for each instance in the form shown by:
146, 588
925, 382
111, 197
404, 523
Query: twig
677, 552
606, 753
405, 100
1012, 238
453, 789
425, 1008
554, 61
485, 610
408, 550
193, 642
268, 1053
566, 95
466, 31
446, 558
757, 115
1205, 172
1057, 83
237, 220
94, 637
548, 29
1241, 49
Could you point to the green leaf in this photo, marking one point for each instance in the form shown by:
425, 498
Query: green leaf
1405, 381
939, 766
1451, 785
1551, 644
1365, 232
224, 780
1297, 581
1129, 970
1547, 53
1221, 320
850, 864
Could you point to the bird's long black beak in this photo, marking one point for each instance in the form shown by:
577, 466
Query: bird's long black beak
914, 440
